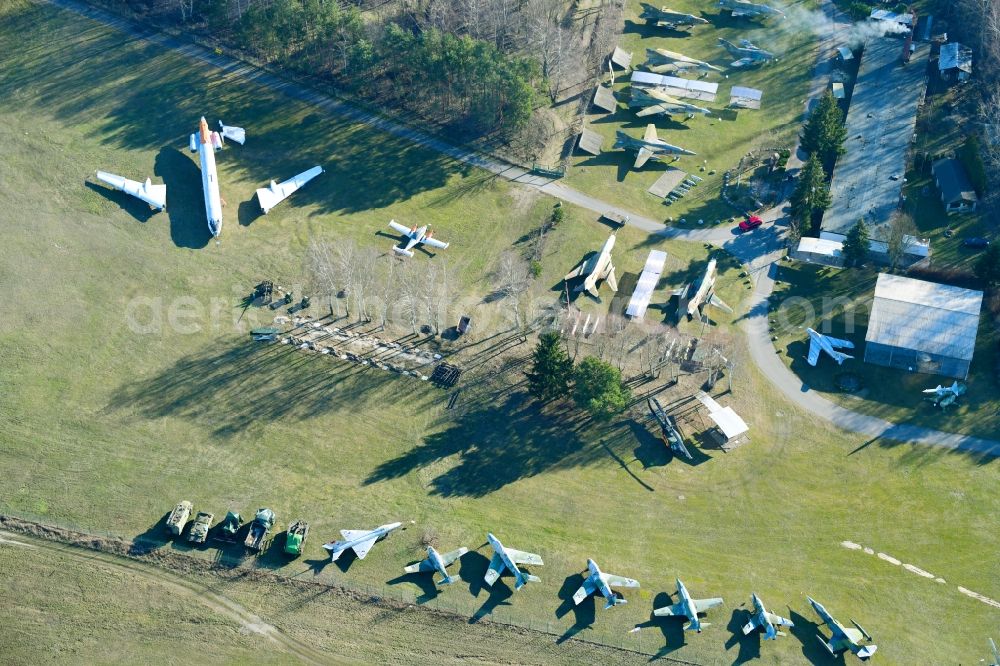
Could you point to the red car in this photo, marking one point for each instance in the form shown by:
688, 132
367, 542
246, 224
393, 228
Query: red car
751, 223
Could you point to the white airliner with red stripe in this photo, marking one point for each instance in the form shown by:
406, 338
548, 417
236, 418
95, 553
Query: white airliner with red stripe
205, 143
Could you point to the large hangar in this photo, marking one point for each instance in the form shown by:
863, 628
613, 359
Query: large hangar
923, 326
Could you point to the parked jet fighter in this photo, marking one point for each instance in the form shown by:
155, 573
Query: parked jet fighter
597, 267
668, 428
819, 342
945, 396
689, 608
668, 18
748, 54
663, 61
361, 541
416, 236
275, 193
649, 146
654, 100
761, 619
844, 638
509, 558
154, 195
438, 562
747, 8
598, 581
693, 297
205, 143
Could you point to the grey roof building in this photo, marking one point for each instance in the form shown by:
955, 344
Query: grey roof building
923, 326
955, 61
957, 193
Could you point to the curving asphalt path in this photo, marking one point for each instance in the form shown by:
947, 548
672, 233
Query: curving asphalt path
759, 250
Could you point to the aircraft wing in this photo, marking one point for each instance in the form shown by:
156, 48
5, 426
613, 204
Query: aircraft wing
652, 110
423, 565
620, 581
742, 62
814, 350
777, 619
496, 568
587, 589
578, 271
521, 557
717, 302
269, 197
650, 133
449, 558
434, 242
678, 609
361, 549
836, 342
351, 535
610, 279
642, 157
154, 195
396, 226
750, 626
702, 605
826, 617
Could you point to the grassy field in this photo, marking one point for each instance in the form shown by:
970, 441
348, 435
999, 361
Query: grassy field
841, 300
105, 429
719, 143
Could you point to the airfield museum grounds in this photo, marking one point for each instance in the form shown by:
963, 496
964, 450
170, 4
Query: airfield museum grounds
132, 383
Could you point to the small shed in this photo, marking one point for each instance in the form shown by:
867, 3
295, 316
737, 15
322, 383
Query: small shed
837, 88
957, 193
905, 19
604, 99
590, 141
955, 62
820, 251
922, 326
844, 54
745, 98
730, 430
621, 59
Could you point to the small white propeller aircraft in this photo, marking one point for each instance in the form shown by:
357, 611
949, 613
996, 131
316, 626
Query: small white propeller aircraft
435, 561
598, 581
270, 196
154, 195
819, 342
416, 236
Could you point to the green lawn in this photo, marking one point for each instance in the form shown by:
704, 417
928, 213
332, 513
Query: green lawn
833, 298
106, 429
718, 143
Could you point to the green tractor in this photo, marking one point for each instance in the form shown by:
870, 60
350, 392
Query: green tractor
296, 537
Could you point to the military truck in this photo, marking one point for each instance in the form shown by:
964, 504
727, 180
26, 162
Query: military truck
230, 525
296, 537
178, 517
199, 528
259, 528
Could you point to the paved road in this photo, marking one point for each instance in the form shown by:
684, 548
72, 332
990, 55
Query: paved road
759, 250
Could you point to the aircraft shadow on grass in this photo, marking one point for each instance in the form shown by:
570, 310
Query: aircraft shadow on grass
671, 630
806, 631
749, 645
472, 569
185, 198
248, 212
583, 614
423, 580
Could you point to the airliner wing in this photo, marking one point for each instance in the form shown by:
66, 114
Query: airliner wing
269, 197
154, 195
521, 557
433, 242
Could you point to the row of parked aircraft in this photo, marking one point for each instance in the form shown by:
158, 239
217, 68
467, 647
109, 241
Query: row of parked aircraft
509, 560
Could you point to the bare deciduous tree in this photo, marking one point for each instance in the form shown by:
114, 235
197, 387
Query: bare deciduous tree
512, 280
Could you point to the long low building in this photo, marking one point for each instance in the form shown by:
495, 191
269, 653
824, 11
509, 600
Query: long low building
921, 326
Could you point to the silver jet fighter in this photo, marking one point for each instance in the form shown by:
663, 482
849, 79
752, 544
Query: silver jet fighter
663, 61
597, 267
598, 581
704, 294
509, 558
361, 541
761, 619
668, 17
654, 100
649, 146
747, 8
855, 639
819, 342
689, 608
945, 396
747, 53
415, 236
435, 561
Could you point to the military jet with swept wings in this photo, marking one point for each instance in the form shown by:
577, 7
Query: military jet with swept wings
655, 100
819, 342
945, 396
689, 608
649, 146
597, 267
598, 581
509, 558
663, 61
747, 53
435, 561
360, 541
669, 18
415, 236
762, 619
855, 639
693, 297
747, 8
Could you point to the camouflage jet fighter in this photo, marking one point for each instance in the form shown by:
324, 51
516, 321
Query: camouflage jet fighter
761, 619
747, 8
598, 581
693, 298
668, 18
819, 342
508, 558
649, 146
689, 608
747, 53
654, 100
663, 61
844, 638
598, 267
945, 396
435, 561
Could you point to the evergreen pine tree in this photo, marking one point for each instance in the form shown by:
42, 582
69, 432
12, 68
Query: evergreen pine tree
810, 198
551, 369
856, 244
598, 388
988, 266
